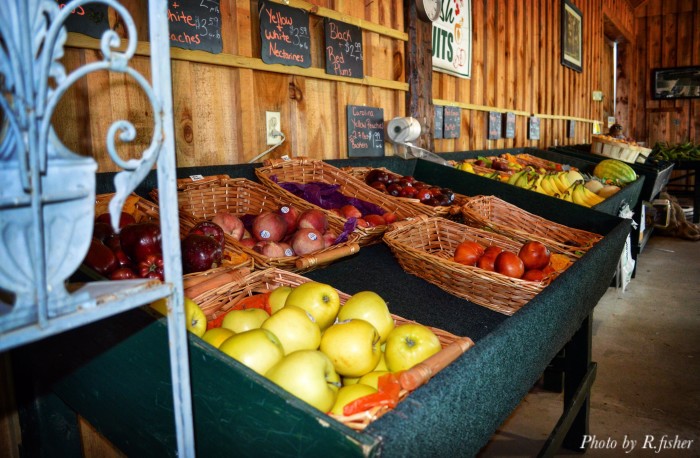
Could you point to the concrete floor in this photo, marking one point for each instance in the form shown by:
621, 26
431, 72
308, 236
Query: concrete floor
646, 342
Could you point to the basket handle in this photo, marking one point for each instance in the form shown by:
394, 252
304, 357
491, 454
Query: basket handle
277, 161
304, 262
422, 372
404, 222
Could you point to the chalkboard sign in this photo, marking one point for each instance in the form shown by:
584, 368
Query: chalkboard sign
91, 19
343, 49
494, 125
365, 131
534, 128
452, 122
572, 129
439, 112
285, 34
195, 24
509, 125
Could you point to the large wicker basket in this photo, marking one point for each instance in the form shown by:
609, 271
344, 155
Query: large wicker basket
217, 302
144, 210
304, 171
426, 247
489, 212
440, 210
241, 196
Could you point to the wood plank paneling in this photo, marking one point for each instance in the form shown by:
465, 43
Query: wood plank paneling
219, 111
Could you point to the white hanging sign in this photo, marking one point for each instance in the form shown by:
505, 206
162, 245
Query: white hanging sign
452, 39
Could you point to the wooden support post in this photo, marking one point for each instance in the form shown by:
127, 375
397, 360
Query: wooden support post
419, 73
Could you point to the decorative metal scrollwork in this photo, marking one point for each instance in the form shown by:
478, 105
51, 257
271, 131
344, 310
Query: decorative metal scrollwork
47, 206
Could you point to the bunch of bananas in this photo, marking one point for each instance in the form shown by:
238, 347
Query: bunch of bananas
566, 185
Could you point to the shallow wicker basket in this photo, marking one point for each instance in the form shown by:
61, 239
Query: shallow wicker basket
217, 302
623, 151
426, 247
442, 210
241, 196
144, 210
496, 214
302, 170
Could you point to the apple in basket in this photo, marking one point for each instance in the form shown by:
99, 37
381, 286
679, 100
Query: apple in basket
295, 328
313, 219
353, 346
291, 216
408, 345
259, 349
308, 375
369, 306
306, 240
230, 223
199, 253
321, 300
269, 227
210, 229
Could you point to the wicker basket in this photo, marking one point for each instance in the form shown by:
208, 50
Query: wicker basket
623, 151
144, 210
241, 196
361, 172
302, 170
426, 247
219, 301
489, 212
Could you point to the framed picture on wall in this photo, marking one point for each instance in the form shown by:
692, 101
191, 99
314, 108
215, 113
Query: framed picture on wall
571, 36
675, 83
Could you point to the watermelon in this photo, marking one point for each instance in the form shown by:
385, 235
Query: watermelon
614, 170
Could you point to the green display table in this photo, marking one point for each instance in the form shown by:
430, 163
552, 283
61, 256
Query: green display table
115, 373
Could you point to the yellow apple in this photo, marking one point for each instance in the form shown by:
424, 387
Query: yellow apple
381, 365
278, 297
216, 336
308, 375
295, 328
350, 380
353, 346
319, 299
196, 321
347, 394
369, 306
408, 345
372, 378
244, 320
259, 349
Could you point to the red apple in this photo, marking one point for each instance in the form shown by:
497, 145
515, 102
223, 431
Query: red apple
269, 249
140, 240
306, 241
230, 223
102, 231
390, 217
209, 229
270, 227
313, 219
288, 250
199, 253
329, 238
375, 220
349, 211
291, 216
535, 255
248, 242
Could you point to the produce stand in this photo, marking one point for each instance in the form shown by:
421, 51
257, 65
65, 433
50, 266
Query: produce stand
237, 413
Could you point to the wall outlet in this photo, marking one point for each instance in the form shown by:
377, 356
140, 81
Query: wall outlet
272, 123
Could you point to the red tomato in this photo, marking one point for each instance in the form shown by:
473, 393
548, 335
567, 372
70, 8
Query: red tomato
468, 253
508, 263
535, 255
534, 275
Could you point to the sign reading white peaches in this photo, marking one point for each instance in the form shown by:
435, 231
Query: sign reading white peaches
346, 360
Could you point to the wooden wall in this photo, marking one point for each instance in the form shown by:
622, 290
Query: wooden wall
220, 107
668, 35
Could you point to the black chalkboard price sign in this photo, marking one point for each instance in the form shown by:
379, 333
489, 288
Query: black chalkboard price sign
285, 34
534, 128
451, 122
437, 124
509, 125
494, 125
343, 49
91, 19
195, 25
365, 131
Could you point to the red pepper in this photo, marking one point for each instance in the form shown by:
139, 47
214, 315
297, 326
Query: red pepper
388, 389
151, 267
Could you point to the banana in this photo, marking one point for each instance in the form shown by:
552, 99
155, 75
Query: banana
537, 187
591, 197
522, 181
515, 177
562, 182
578, 196
547, 185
